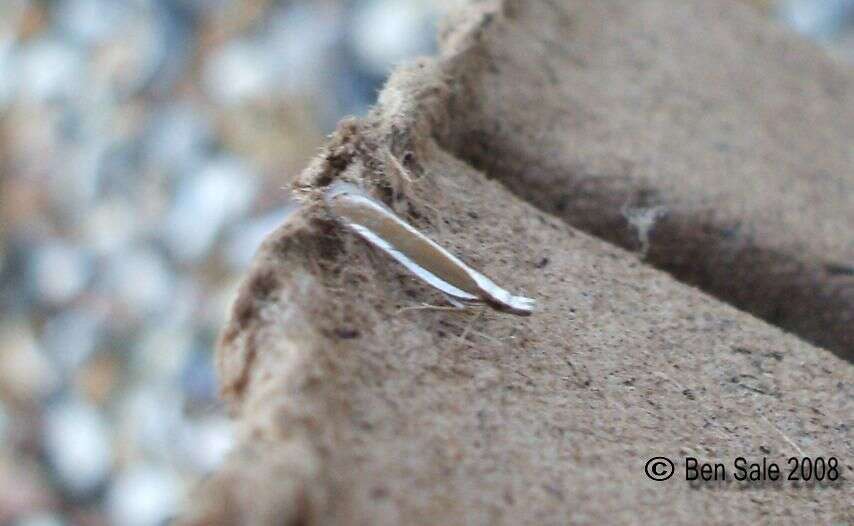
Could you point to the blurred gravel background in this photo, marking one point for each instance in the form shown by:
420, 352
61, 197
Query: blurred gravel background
144, 145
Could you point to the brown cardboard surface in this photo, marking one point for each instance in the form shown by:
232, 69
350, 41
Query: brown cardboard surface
726, 142
356, 406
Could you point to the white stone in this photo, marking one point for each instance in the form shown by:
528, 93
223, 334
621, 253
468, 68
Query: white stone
49, 69
303, 41
145, 495
238, 72
178, 136
222, 192
207, 442
77, 442
386, 32
60, 271
151, 420
141, 281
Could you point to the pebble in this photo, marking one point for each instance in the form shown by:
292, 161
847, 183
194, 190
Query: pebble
59, 271
151, 417
221, 192
182, 311
133, 59
9, 80
386, 32
98, 379
110, 226
162, 353
177, 137
176, 48
88, 22
240, 71
72, 336
49, 69
25, 372
77, 444
305, 36
140, 280
145, 495
207, 442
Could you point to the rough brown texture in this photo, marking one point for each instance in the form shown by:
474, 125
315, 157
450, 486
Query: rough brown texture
736, 137
355, 405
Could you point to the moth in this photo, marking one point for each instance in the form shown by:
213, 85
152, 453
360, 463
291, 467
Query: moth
381, 227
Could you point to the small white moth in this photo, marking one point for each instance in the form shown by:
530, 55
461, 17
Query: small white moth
379, 225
